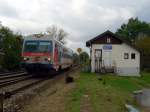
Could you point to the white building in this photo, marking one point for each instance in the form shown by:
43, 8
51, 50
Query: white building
109, 53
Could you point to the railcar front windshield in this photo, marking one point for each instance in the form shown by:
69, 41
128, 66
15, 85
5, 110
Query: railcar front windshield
38, 46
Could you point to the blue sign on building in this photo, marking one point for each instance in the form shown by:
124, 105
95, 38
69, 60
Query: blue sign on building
107, 47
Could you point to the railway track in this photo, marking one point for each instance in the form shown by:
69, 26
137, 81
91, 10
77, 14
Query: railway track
9, 78
10, 73
2, 77
26, 84
16, 85
5, 83
29, 84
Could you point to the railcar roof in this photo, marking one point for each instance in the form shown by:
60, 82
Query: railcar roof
38, 37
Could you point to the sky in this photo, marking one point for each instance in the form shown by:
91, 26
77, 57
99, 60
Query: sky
81, 19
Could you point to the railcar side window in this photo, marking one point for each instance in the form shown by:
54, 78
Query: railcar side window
126, 55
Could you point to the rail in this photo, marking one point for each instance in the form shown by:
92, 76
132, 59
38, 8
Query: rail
7, 94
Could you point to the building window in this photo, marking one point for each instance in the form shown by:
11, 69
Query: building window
133, 56
108, 40
126, 55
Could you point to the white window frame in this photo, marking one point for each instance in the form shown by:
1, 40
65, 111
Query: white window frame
108, 40
126, 55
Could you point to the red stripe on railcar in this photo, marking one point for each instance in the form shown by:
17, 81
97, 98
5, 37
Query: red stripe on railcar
56, 56
35, 54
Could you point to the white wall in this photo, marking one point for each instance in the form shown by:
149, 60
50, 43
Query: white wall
116, 55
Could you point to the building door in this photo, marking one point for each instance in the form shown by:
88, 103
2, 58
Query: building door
107, 58
107, 55
98, 60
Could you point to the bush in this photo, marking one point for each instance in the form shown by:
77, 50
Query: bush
146, 69
11, 45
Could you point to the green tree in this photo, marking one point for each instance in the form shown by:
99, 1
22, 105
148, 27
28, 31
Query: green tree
144, 45
84, 61
75, 58
84, 58
11, 45
133, 30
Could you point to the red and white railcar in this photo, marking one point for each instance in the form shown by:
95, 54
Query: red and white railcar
42, 53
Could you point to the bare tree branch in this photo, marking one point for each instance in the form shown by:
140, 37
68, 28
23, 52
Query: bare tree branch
61, 36
57, 33
52, 31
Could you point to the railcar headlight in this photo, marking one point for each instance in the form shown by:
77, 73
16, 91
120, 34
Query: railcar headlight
25, 59
49, 59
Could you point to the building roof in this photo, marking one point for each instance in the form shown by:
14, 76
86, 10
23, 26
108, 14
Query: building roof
89, 42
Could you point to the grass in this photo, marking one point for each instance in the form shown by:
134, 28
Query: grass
107, 93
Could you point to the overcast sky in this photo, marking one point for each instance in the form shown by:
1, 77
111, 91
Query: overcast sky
82, 19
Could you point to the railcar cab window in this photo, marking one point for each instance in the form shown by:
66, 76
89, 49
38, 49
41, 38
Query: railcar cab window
45, 46
126, 55
31, 46
38, 46
133, 56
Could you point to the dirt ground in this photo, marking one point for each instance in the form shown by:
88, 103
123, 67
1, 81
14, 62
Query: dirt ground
53, 98
85, 104
145, 109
